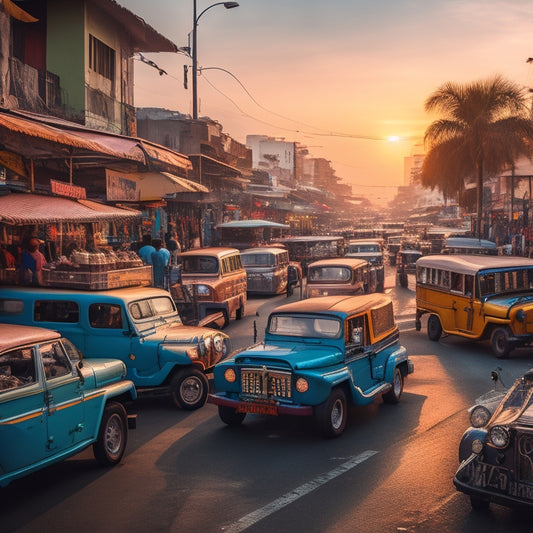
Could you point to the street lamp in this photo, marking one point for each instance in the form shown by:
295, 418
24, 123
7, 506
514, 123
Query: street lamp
227, 5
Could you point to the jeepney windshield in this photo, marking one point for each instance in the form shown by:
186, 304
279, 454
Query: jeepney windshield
307, 326
505, 281
330, 273
517, 400
258, 260
199, 264
150, 312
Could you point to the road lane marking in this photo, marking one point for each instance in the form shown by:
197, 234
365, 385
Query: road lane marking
255, 516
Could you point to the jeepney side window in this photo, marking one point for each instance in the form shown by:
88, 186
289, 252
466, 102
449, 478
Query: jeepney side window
11, 306
56, 311
445, 279
487, 284
17, 368
356, 332
107, 316
469, 285
457, 282
55, 360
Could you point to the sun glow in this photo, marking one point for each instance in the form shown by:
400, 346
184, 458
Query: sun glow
393, 138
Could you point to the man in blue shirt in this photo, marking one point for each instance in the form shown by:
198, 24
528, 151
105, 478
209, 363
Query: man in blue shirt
160, 259
146, 251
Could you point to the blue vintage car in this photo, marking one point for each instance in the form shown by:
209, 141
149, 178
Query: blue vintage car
496, 452
319, 356
53, 404
138, 325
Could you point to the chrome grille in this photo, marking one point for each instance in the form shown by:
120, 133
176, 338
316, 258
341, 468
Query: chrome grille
266, 384
525, 457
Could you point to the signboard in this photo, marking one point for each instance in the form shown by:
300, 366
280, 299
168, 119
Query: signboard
66, 189
120, 188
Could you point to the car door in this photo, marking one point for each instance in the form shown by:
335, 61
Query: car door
64, 399
357, 353
23, 435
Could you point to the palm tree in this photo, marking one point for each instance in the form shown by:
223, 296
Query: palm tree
484, 129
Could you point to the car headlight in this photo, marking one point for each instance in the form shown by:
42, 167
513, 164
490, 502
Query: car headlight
499, 436
479, 416
302, 385
202, 290
229, 375
520, 315
218, 343
477, 446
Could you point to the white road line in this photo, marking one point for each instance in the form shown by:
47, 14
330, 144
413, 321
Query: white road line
302, 490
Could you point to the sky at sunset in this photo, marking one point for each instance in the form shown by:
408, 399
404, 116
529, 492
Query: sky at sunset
339, 76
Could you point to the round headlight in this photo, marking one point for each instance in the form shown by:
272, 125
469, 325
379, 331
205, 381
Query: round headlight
479, 416
499, 436
477, 446
520, 315
229, 375
203, 290
302, 385
218, 343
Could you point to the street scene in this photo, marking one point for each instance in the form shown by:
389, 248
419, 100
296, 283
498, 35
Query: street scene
317, 319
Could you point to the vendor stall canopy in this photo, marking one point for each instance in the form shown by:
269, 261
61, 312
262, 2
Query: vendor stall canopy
23, 209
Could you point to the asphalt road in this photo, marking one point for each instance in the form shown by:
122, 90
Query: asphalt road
391, 471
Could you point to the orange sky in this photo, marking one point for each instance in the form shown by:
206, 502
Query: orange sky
339, 76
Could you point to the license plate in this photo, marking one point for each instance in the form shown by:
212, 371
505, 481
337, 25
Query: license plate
258, 408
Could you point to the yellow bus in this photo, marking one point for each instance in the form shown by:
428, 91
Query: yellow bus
478, 297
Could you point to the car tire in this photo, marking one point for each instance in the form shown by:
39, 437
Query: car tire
112, 435
239, 313
189, 388
500, 343
332, 414
434, 328
394, 395
479, 503
230, 416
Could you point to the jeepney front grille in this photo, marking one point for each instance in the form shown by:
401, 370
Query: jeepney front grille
266, 384
525, 457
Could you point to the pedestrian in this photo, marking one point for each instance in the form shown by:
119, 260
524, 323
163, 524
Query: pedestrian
146, 250
32, 262
160, 259
173, 246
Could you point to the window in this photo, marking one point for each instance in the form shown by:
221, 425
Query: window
382, 320
107, 316
101, 58
10, 306
56, 311
17, 368
55, 360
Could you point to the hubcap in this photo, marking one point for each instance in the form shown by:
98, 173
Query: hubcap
113, 435
191, 389
337, 414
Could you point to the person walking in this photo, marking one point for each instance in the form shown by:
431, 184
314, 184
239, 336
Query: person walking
32, 262
173, 246
146, 250
160, 259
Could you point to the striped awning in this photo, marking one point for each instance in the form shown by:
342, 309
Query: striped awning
23, 209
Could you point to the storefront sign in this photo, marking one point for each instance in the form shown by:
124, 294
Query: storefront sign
120, 188
66, 189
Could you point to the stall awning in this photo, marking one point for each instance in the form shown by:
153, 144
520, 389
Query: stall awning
36, 136
185, 185
20, 208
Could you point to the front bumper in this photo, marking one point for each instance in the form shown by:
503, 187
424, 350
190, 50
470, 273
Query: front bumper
281, 408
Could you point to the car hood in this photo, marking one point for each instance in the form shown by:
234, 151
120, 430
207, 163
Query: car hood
181, 334
297, 356
101, 372
502, 304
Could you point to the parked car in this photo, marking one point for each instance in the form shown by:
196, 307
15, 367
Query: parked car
496, 452
53, 403
344, 275
267, 269
406, 264
138, 325
213, 282
319, 356
370, 250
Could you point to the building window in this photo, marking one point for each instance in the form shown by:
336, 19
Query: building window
101, 58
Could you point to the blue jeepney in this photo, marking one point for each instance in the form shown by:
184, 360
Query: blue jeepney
319, 356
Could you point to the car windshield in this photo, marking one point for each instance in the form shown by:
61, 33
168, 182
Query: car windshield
330, 273
309, 326
363, 248
151, 312
258, 259
506, 281
517, 400
199, 264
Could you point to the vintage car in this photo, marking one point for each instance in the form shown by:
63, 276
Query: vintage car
138, 325
370, 250
345, 275
406, 264
213, 282
267, 269
496, 452
53, 403
319, 356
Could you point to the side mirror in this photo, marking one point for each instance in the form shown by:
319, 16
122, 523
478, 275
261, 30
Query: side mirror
79, 366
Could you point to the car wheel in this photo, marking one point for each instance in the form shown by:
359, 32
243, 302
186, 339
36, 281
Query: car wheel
230, 416
331, 415
501, 345
403, 281
434, 328
112, 436
239, 313
478, 503
394, 395
189, 388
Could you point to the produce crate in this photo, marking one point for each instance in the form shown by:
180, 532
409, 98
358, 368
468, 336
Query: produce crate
112, 279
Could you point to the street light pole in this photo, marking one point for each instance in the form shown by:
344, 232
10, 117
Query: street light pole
227, 5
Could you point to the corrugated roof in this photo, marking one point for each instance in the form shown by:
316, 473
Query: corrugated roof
20, 208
